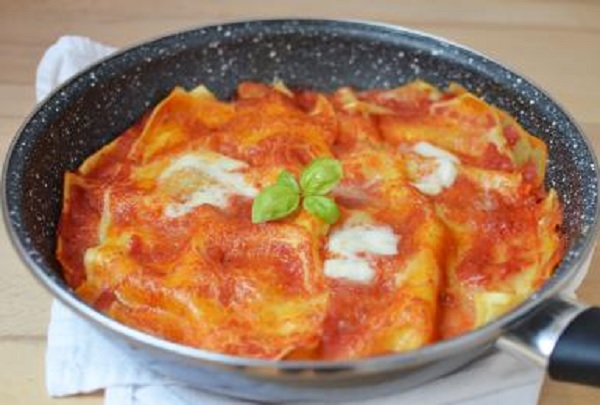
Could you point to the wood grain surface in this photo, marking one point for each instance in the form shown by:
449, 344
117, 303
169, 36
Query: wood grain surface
554, 42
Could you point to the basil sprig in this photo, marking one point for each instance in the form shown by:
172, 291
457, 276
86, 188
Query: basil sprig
287, 179
320, 176
283, 198
274, 202
322, 207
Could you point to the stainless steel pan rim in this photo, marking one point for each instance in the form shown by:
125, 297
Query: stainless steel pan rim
567, 269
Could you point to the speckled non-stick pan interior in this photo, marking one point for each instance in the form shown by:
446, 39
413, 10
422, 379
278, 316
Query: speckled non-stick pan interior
99, 104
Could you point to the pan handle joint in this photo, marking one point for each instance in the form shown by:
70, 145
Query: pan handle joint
562, 336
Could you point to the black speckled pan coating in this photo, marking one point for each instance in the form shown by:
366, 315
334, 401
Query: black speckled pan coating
104, 100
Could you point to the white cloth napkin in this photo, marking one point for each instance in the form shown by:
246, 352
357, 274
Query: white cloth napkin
81, 360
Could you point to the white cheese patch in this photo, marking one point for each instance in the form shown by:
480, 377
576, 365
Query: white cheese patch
215, 195
353, 246
225, 181
350, 241
445, 171
357, 270
426, 149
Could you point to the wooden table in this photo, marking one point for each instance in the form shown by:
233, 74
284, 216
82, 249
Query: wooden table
556, 43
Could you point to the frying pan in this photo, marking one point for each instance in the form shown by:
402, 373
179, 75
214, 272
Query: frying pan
98, 104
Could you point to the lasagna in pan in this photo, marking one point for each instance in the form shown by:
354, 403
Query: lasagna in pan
303, 225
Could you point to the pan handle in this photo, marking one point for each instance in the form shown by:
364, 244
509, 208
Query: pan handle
564, 337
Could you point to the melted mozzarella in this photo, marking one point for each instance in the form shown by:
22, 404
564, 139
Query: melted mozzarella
357, 270
353, 246
445, 171
222, 180
350, 241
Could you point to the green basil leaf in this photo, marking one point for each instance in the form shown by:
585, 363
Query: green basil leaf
287, 179
274, 202
320, 176
322, 207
